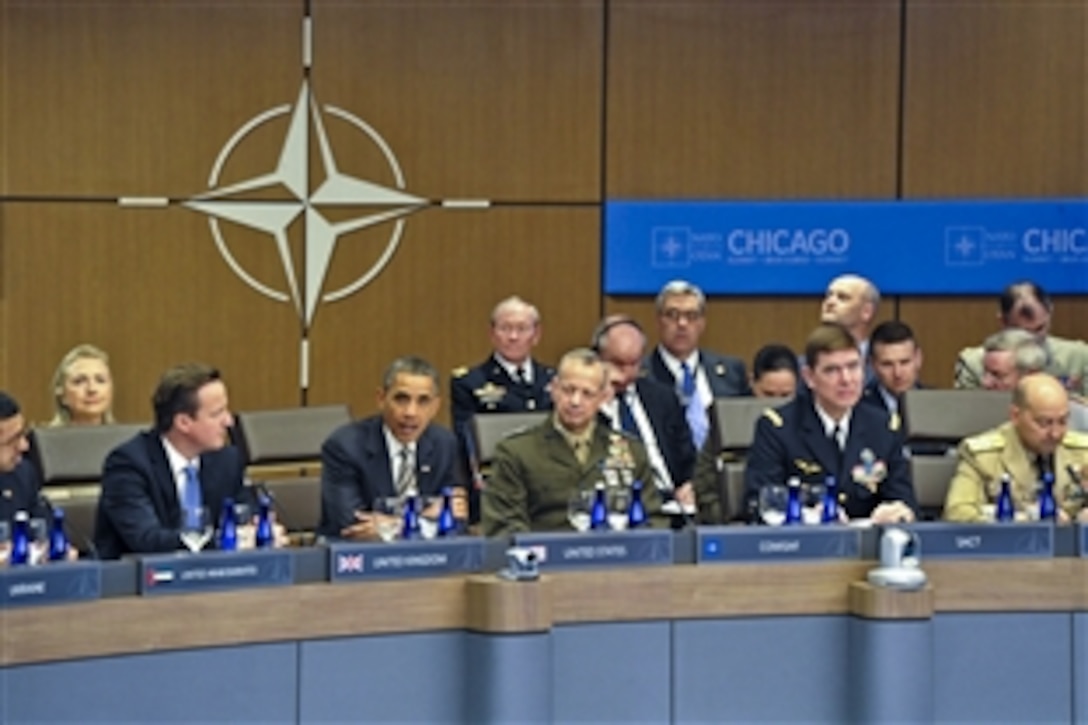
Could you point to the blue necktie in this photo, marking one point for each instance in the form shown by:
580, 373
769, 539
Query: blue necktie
693, 408
627, 419
192, 498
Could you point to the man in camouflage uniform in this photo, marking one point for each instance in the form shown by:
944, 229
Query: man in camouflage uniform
1035, 440
535, 473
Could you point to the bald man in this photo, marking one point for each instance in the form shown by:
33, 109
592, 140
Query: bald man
1034, 440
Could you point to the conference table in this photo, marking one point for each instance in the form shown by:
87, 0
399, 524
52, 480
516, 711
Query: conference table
696, 639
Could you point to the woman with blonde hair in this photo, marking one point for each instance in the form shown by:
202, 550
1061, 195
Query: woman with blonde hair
83, 388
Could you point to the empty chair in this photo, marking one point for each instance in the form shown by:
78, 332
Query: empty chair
931, 476
951, 415
69, 460
489, 429
287, 436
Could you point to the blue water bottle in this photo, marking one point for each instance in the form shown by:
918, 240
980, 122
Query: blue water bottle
20, 539
410, 529
1047, 509
58, 540
447, 524
636, 510
228, 527
598, 512
263, 537
793, 502
1004, 510
829, 511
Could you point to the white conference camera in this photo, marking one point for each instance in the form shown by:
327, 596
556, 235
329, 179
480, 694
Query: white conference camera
900, 559
522, 564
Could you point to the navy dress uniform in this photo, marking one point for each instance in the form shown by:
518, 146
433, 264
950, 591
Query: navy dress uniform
869, 469
489, 388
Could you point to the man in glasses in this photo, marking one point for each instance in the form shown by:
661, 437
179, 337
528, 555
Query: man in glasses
827, 433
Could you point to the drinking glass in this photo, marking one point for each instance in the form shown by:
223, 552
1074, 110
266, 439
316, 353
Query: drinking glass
619, 500
772, 504
387, 519
5, 542
39, 541
195, 528
578, 506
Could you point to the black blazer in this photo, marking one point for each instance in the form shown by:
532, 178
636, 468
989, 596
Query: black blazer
725, 373
20, 490
138, 510
670, 428
355, 469
488, 388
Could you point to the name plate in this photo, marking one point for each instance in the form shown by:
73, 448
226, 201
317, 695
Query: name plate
404, 559
215, 571
644, 547
56, 583
974, 541
1082, 540
721, 544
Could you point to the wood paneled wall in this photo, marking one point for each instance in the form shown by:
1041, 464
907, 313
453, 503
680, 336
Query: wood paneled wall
545, 108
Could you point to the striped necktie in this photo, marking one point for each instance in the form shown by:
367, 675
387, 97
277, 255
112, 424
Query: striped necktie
693, 407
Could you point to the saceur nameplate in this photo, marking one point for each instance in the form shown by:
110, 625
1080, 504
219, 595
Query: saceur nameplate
980, 541
404, 559
731, 544
56, 583
645, 547
215, 571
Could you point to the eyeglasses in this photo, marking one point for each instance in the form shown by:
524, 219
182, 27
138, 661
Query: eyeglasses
511, 329
675, 315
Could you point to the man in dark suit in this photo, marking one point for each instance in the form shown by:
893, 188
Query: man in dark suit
20, 485
896, 359
183, 464
395, 453
681, 364
827, 432
646, 408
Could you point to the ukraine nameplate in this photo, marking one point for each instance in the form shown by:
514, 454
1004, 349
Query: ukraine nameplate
404, 559
55, 583
643, 547
974, 541
732, 544
215, 571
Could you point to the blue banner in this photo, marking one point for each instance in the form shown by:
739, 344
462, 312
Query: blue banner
404, 559
642, 547
728, 544
54, 583
796, 248
215, 571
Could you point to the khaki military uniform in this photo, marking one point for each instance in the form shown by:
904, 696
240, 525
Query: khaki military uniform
983, 458
535, 472
1068, 363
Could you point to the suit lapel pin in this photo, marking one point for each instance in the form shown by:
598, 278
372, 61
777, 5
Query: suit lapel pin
719, 370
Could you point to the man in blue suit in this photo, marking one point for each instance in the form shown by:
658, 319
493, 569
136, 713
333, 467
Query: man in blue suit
400, 451
184, 463
827, 432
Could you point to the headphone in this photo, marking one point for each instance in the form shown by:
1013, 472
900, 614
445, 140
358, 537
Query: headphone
609, 323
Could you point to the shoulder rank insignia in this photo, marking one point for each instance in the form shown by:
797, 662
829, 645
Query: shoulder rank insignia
772, 415
1075, 439
985, 443
894, 422
459, 372
490, 393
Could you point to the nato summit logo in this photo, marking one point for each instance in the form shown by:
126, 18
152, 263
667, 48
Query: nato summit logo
963, 246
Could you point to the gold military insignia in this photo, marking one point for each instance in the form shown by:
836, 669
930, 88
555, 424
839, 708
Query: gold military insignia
985, 443
772, 415
460, 372
894, 422
490, 394
1075, 439
807, 468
